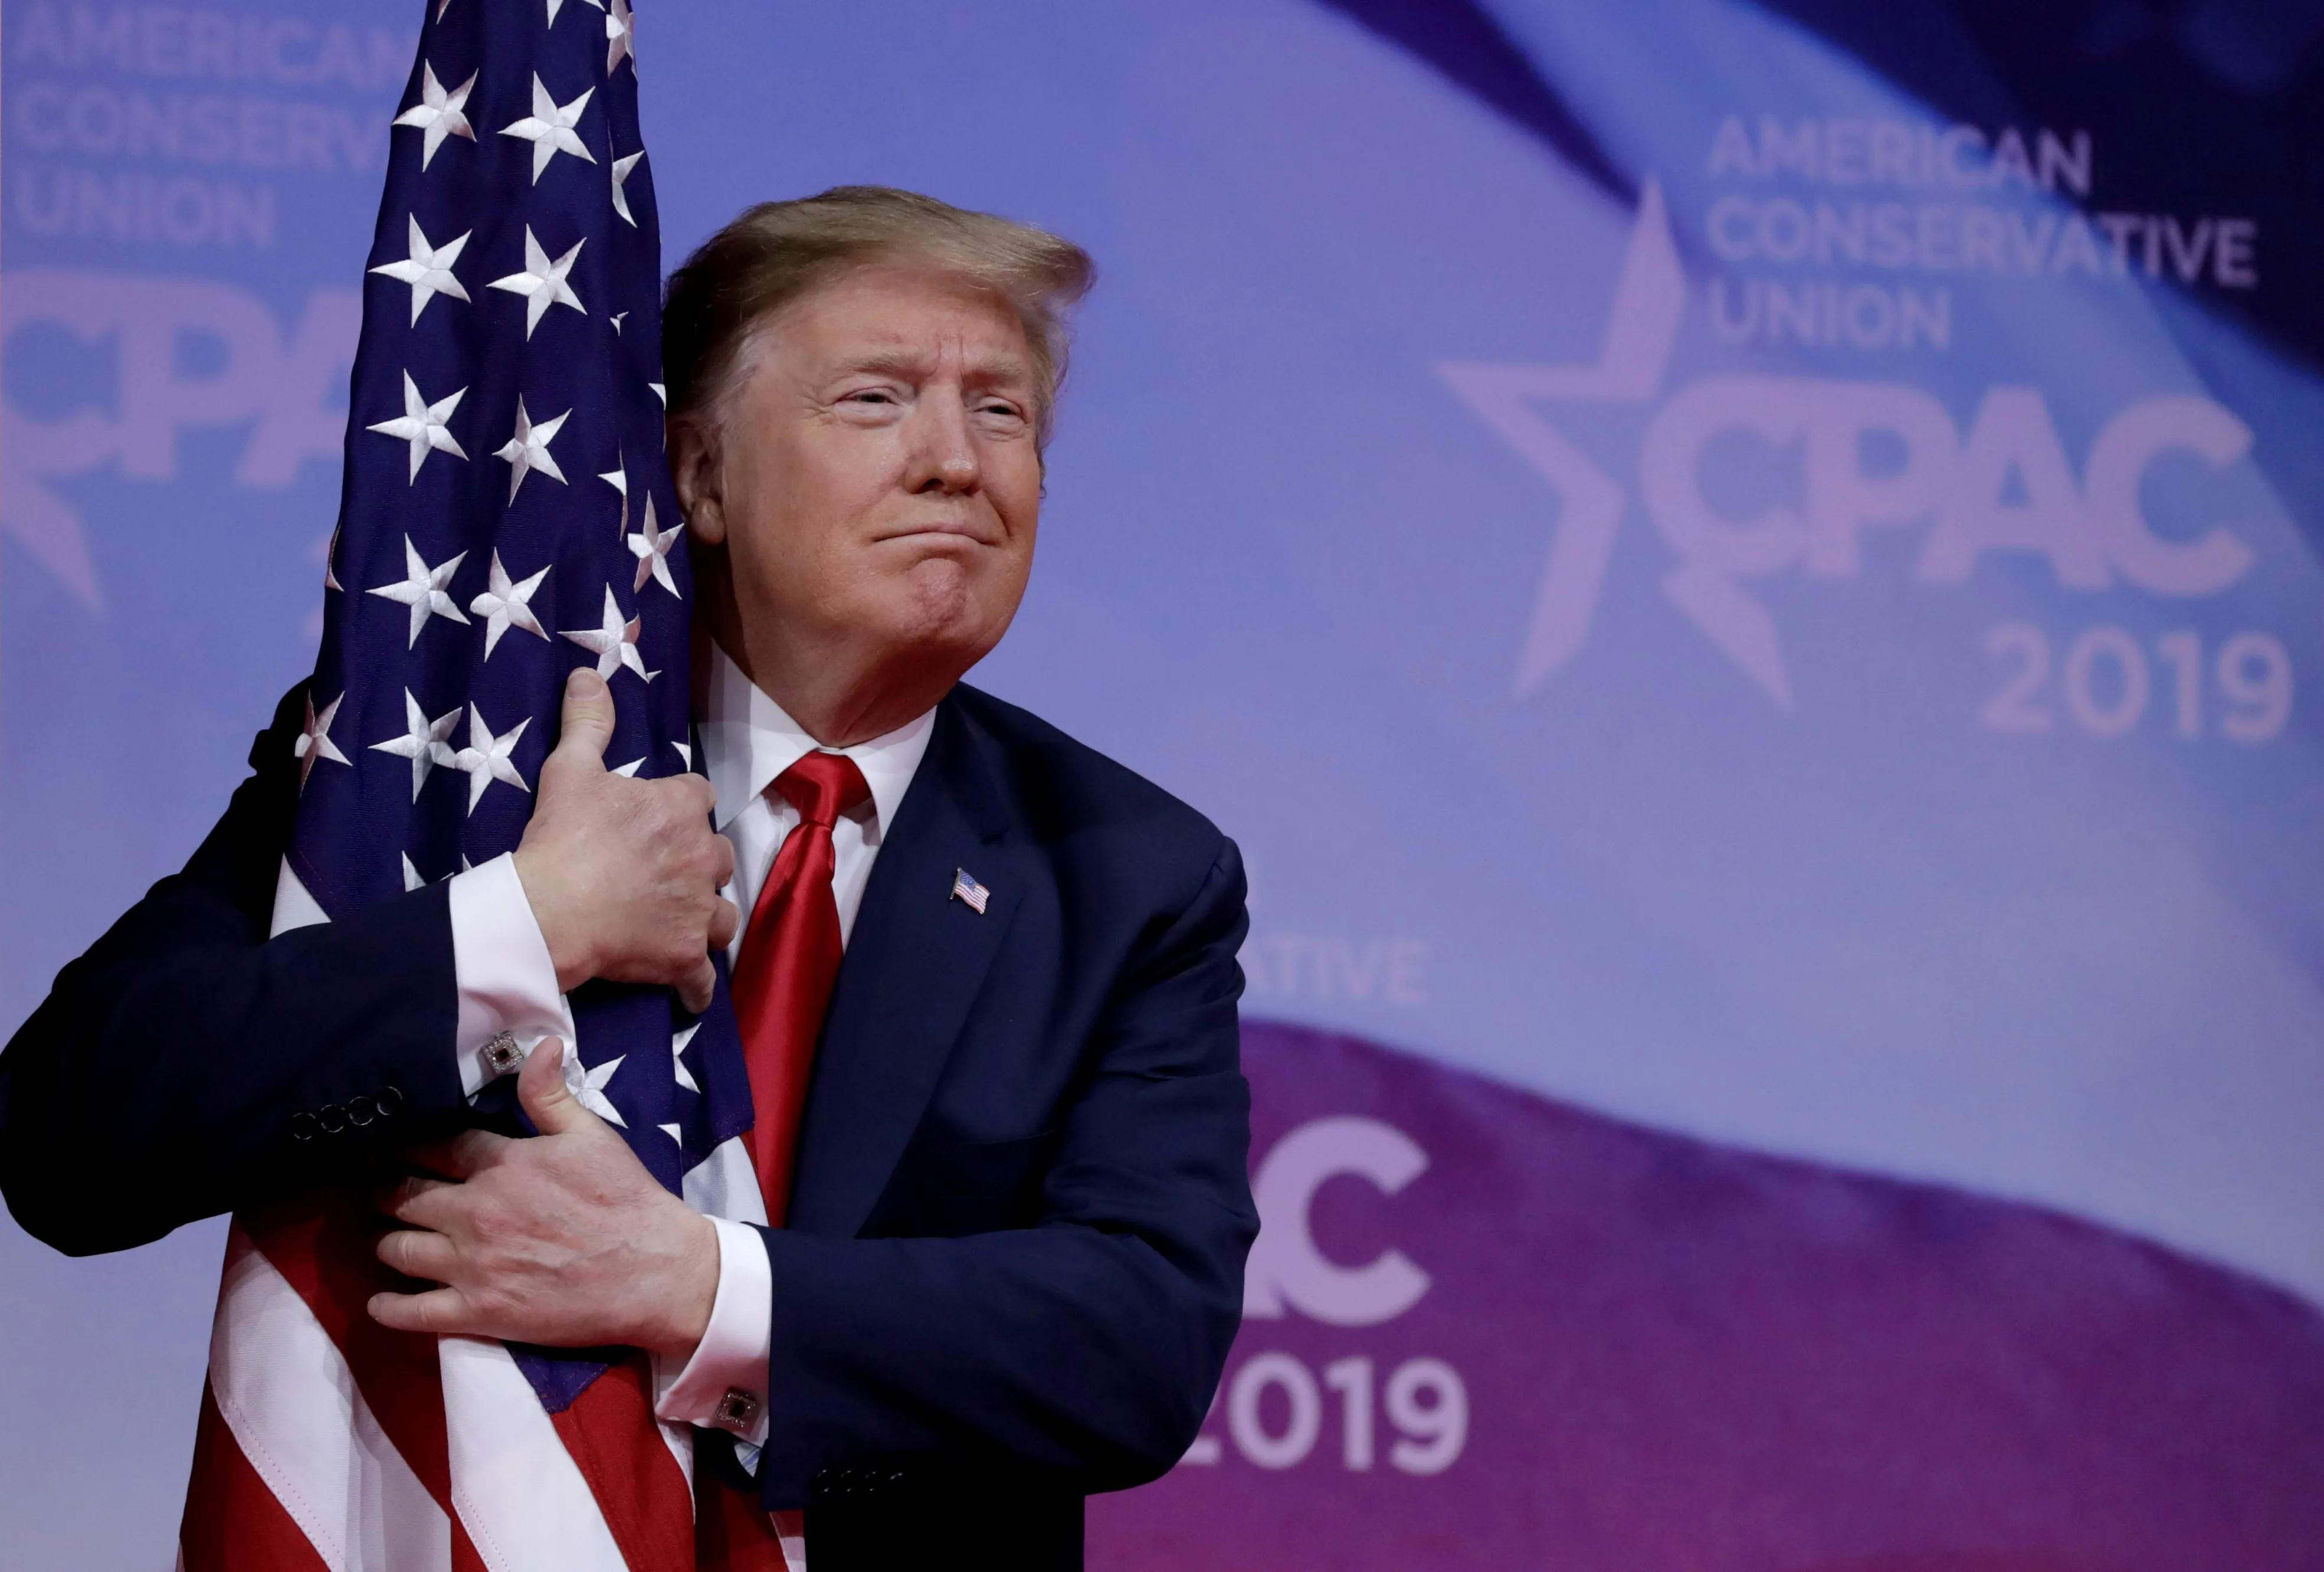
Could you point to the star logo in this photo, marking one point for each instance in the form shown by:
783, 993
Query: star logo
48, 527
428, 269
527, 450
549, 126
422, 741
542, 283
439, 114
678, 1057
422, 589
486, 758
314, 742
622, 167
423, 425
614, 642
504, 605
651, 548
1632, 361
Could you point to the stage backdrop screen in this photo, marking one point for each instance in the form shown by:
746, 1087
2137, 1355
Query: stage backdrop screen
1745, 574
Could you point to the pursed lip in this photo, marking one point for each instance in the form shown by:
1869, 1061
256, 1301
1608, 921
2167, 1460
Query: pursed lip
954, 529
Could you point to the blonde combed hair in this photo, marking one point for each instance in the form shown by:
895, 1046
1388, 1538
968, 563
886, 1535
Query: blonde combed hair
772, 254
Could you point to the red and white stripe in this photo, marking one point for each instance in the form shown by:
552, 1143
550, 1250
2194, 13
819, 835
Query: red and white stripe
327, 1443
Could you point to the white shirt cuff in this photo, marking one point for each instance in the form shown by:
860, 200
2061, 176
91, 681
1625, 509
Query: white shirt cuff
507, 982
724, 1386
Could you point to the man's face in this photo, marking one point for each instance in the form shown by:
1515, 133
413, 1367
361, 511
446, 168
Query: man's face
876, 483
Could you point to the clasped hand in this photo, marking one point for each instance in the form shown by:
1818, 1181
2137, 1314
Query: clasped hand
624, 875
563, 1240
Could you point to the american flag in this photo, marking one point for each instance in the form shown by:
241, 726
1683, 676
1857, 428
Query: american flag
965, 888
507, 514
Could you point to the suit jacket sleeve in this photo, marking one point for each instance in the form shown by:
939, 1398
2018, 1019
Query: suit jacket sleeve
1079, 1353
164, 1077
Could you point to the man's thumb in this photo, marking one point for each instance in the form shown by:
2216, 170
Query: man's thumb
541, 1090
587, 725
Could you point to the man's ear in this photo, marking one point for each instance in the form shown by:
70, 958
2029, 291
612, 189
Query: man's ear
694, 469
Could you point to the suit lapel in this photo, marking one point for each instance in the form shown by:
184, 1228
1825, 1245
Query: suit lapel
914, 962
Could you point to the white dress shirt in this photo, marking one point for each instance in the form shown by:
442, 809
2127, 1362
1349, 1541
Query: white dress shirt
507, 983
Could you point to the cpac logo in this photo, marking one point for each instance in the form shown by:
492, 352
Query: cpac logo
2007, 486
1286, 1270
255, 373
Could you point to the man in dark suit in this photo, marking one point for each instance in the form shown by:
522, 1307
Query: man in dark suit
1002, 1140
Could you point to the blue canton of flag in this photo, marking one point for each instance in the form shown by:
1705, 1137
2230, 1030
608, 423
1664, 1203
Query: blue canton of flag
507, 515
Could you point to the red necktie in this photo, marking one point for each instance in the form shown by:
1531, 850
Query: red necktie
790, 960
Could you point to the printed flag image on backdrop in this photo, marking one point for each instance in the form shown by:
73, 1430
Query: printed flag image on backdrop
1745, 573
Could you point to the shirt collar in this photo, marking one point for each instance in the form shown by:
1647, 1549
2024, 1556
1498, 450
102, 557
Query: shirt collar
747, 741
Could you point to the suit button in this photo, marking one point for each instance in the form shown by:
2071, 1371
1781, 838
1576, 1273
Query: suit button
361, 1111
303, 1127
332, 1118
389, 1100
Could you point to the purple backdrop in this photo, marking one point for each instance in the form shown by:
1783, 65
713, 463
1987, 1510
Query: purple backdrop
1674, 1356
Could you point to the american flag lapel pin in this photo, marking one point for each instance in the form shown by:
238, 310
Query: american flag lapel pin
966, 890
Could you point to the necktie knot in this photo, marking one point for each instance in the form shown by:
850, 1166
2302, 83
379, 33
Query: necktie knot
821, 787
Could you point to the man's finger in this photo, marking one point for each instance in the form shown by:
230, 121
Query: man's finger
416, 1201
541, 1090
587, 725
724, 922
704, 792
463, 1156
700, 986
415, 1253
444, 1311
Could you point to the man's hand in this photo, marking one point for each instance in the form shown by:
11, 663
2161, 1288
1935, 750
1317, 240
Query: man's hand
624, 875
563, 1240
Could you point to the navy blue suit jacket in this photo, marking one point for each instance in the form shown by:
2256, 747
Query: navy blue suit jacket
1014, 1259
